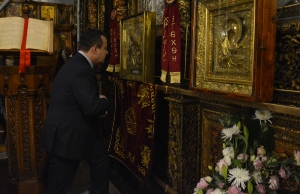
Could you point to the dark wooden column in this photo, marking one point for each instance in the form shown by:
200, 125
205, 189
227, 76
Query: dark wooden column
25, 102
183, 144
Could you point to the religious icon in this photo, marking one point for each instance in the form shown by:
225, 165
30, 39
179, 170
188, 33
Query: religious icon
64, 15
13, 10
47, 12
33, 11
137, 48
74, 40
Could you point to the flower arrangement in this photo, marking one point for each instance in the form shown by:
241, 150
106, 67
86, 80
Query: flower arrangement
249, 164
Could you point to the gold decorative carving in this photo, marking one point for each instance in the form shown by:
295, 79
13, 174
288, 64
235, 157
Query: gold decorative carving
132, 7
228, 55
185, 29
92, 14
183, 149
121, 7
101, 15
287, 74
26, 111
211, 142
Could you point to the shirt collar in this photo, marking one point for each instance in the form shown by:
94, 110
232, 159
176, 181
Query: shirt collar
90, 62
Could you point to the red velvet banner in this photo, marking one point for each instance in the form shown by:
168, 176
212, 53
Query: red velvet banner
114, 61
171, 42
24, 54
132, 140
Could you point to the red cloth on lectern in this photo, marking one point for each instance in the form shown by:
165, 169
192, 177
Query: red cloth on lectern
114, 61
171, 43
24, 54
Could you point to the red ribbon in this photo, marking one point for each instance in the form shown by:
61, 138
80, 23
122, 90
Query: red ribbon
24, 54
171, 42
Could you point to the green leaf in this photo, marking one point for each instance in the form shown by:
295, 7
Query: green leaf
224, 171
250, 187
239, 124
273, 164
246, 132
221, 122
217, 179
288, 161
296, 179
200, 191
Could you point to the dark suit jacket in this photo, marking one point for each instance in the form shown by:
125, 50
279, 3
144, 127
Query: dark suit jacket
72, 118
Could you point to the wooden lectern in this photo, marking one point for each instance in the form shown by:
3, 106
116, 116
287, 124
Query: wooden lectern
26, 104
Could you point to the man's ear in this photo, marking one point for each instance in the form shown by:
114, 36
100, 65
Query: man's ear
94, 49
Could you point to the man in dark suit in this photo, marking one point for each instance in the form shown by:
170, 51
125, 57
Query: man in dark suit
71, 132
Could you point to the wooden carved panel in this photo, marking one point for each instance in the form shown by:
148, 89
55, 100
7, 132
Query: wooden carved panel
211, 142
183, 146
287, 76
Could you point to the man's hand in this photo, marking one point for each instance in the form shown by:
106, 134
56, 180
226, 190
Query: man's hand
103, 115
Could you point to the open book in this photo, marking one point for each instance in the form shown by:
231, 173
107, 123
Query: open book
39, 34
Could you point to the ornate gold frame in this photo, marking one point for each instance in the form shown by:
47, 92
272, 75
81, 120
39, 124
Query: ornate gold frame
225, 56
137, 48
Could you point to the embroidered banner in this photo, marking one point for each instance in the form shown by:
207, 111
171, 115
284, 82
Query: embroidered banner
171, 42
132, 140
114, 61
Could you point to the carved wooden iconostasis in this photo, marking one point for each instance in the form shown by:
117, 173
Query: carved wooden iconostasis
187, 120
187, 129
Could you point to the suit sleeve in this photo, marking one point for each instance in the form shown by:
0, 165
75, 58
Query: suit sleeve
86, 91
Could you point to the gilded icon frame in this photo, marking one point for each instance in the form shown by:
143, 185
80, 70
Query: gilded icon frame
64, 15
13, 9
48, 12
137, 48
228, 48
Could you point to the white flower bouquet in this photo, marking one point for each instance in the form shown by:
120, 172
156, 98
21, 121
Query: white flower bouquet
249, 164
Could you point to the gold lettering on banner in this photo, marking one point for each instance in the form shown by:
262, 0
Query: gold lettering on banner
173, 42
174, 58
166, 21
173, 34
173, 23
174, 50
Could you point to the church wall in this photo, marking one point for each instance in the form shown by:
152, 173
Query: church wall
187, 120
